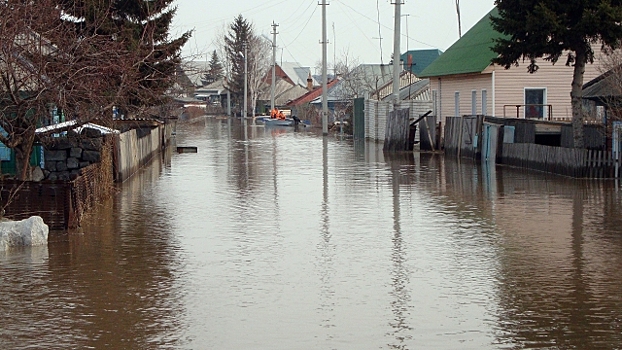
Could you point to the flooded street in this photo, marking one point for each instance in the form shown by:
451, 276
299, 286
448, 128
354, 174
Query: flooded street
275, 239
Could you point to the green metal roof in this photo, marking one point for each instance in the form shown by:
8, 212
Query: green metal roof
470, 54
421, 59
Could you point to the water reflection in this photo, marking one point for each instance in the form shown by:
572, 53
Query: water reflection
402, 166
283, 239
554, 259
326, 250
110, 285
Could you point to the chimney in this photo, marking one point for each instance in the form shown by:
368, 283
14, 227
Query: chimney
309, 82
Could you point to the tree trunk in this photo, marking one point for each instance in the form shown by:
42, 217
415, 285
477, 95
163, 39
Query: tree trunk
23, 151
576, 97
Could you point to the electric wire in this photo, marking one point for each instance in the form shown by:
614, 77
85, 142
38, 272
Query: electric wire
374, 21
303, 28
295, 13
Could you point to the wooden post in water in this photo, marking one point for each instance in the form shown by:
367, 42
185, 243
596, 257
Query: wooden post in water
396, 134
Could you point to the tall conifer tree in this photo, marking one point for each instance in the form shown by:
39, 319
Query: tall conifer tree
240, 34
550, 29
143, 26
215, 70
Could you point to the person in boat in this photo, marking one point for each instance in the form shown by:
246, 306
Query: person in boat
273, 113
280, 115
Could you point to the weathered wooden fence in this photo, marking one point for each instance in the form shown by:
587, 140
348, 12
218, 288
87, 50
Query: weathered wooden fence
593, 136
376, 113
462, 136
61, 204
397, 130
578, 163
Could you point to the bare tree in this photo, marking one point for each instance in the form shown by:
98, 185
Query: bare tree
261, 62
54, 60
609, 95
45, 64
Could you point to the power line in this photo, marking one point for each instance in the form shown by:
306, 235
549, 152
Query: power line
263, 6
357, 27
374, 21
303, 28
294, 13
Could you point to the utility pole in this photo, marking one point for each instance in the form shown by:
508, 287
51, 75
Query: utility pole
396, 51
228, 86
324, 73
245, 79
334, 51
272, 86
459, 19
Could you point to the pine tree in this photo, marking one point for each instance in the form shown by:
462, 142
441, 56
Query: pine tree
240, 34
215, 71
143, 26
549, 29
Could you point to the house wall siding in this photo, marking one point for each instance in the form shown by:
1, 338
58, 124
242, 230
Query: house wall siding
510, 87
446, 88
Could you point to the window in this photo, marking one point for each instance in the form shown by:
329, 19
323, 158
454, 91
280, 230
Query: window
484, 102
535, 100
473, 102
457, 104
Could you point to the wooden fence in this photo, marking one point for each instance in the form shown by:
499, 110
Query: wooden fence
577, 163
462, 136
376, 113
61, 204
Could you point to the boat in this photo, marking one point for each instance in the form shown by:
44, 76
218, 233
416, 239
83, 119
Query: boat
279, 122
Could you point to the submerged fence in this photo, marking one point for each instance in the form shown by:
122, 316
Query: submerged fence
579, 163
469, 137
61, 204
376, 113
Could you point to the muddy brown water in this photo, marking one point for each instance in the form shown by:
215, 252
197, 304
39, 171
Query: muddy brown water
276, 239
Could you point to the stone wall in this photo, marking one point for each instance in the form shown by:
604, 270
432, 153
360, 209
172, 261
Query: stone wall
65, 156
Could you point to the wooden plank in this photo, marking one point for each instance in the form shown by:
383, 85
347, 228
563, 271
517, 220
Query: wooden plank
396, 132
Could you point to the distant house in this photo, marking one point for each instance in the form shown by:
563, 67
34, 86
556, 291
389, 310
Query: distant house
365, 80
411, 88
300, 105
293, 73
463, 81
194, 72
292, 81
415, 61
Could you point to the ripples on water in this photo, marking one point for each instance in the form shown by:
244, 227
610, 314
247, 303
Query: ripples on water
272, 239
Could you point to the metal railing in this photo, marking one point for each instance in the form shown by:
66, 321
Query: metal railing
531, 111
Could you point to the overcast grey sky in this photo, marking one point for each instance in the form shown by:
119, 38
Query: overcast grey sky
431, 24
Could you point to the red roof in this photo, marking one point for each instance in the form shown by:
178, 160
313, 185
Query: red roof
311, 95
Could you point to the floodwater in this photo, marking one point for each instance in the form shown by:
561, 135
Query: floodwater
275, 239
